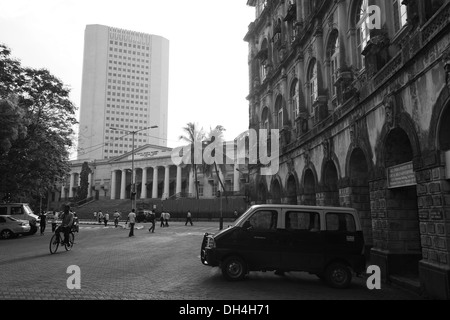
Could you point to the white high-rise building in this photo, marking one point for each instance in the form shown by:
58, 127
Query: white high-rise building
125, 86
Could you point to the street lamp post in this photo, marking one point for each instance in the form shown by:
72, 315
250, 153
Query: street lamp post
133, 185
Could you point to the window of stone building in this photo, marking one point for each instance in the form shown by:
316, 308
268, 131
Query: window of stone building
363, 32
312, 83
294, 99
333, 56
400, 15
265, 119
431, 7
279, 110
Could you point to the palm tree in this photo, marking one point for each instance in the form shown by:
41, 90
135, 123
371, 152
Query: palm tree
216, 135
193, 135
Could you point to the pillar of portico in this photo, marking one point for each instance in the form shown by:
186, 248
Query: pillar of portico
166, 182
144, 184
89, 193
123, 185
155, 183
191, 182
236, 175
63, 192
113, 185
71, 185
178, 187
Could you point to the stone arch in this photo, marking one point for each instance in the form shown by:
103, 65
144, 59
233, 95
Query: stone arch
310, 185
441, 106
330, 183
401, 201
405, 123
292, 188
358, 195
276, 190
261, 191
365, 149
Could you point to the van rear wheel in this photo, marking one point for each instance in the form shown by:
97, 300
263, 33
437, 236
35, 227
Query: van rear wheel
338, 275
234, 268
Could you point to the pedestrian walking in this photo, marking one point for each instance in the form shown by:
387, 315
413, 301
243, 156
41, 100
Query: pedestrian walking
235, 214
117, 216
95, 216
100, 216
43, 222
166, 219
106, 218
189, 218
152, 219
132, 219
162, 219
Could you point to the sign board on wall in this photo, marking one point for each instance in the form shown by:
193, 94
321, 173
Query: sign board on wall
401, 175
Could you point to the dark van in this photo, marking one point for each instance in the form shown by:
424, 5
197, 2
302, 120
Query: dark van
325, 241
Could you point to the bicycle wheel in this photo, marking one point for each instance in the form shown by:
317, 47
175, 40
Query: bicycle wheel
71, 242
54, 244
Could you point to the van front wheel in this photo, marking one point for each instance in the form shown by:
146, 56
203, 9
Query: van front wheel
234, 268
338, 275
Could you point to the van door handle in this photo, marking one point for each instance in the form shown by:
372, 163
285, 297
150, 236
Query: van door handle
260, 238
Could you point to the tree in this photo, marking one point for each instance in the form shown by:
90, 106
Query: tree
36, 106
84, 181
193, 136
215, 138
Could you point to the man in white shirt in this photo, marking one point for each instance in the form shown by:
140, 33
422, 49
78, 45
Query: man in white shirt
132, 219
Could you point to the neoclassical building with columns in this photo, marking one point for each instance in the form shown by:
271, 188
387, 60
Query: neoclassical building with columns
155, 176
360, 93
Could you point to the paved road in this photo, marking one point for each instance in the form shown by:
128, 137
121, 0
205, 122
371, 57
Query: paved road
163, 265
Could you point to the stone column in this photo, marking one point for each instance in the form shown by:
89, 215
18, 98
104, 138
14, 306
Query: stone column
166, 182
113, 185
236, 175
191, 182
144, 184
178, 180
123, 185
63, 192
89, 193
155, 183
72, 182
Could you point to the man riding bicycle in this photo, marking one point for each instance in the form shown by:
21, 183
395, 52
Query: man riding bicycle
66, 224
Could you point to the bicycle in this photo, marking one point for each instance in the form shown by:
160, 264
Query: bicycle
57, 240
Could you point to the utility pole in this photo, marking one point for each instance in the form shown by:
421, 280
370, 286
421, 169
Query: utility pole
133, 184
221, 211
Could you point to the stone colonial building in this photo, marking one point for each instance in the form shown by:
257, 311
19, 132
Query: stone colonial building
360, 91
156, 176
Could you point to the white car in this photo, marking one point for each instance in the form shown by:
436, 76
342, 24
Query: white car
11, 227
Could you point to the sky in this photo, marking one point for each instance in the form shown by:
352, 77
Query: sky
208, 71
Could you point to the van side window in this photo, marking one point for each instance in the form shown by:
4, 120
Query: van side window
307, 221
264, 220
16, 210
3, 211
340, 222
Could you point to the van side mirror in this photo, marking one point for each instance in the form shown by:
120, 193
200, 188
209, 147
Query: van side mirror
247, 225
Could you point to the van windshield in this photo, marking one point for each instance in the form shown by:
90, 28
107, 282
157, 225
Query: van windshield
27, 210
242, 217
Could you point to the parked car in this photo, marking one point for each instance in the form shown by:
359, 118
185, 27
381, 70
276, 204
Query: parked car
21, 211
325, 241
10, 227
